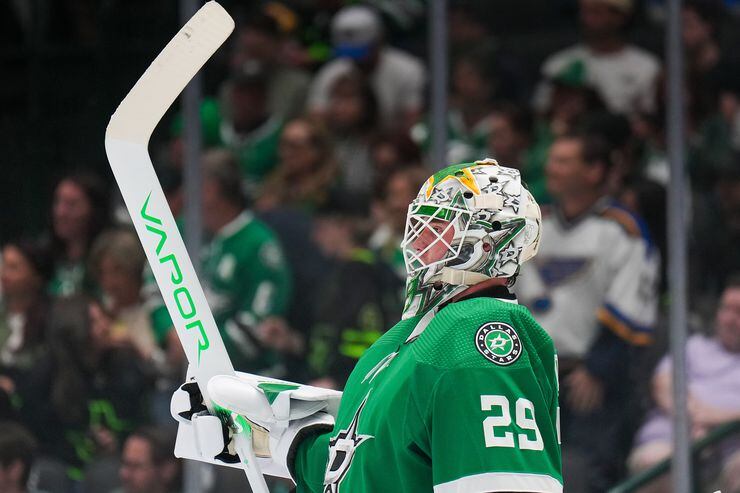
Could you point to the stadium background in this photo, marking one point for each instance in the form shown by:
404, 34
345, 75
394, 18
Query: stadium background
66, 64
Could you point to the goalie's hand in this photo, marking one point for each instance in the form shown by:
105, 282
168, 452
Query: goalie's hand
280, 414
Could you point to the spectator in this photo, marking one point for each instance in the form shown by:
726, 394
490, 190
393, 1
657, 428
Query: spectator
593, 285
391, 152
244, 272
247, 127
623, 74
572, 100
396, 77
390, 216
259, 45
88, 393
147, 463
474, 84
352, 118
356, 302
117, 263
25, 271
305, 171
713, 373
715, 240
509, 136
79, 214
17, 453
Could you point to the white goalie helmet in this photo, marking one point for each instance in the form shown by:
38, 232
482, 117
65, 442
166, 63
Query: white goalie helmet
469, 223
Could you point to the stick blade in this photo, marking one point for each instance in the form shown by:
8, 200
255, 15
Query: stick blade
169, 73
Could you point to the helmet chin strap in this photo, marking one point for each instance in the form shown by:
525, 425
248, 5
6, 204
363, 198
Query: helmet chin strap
462, 277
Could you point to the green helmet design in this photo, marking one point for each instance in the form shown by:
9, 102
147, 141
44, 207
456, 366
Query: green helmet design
469, 223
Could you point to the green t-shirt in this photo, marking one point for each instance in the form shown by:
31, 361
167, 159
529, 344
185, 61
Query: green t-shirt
246, 279
470, 404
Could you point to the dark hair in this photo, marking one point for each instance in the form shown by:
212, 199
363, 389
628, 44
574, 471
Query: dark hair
355, 78
96, 192
262, 23
520, 119
595, 149
710, 11
41, 260
733, 281
37, 254
161, 442
17, 443
220, 166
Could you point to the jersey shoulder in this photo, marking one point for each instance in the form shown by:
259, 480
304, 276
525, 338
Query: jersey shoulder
482, 333
630, 224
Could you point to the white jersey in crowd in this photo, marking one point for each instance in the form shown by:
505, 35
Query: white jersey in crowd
398, 82
625, 79
598, 269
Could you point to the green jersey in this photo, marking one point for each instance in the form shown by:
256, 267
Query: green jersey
246, 279
464, 400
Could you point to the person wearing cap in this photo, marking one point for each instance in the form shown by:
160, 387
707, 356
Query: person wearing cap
396, 76
623, 74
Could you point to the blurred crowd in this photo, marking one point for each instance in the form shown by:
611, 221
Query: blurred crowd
316, 137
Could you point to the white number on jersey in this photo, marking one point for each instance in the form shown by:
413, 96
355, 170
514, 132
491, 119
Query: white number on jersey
525, 419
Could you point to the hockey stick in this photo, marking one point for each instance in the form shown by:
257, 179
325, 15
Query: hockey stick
126, 142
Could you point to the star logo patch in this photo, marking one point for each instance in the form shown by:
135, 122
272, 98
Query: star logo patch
499, 343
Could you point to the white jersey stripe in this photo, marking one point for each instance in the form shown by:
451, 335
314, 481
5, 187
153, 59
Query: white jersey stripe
501, 481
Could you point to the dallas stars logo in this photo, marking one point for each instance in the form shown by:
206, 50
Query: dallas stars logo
498, 342
342, 450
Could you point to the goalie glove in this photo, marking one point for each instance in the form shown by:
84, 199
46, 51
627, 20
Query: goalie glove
280, 414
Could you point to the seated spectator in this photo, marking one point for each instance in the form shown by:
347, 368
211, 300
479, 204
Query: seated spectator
88, 393
715, 240
306, 168
147, 463
17, 453
117, 264
509, 136
713, 374
623, 74
247, 127
396, 77
593, 286
79, 214
352, 119
390, 212
25, 270
572, 100
259, 44
356, 303
474, 84
391, 152
244, 273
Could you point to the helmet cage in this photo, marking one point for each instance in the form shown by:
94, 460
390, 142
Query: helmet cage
419, 221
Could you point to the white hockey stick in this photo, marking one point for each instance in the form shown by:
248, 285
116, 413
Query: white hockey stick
126, 142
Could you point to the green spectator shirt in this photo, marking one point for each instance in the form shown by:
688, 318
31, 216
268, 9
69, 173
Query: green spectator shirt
246, 279
462, 401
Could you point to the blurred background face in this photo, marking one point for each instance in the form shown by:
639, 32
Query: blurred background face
138, 473
599, 19
71, 211
399, 195
695, 31
504, 142
565, 170
17, 275
346, 106
247, 107
728, 320
469, 84
297, 150
116, 281
254, 45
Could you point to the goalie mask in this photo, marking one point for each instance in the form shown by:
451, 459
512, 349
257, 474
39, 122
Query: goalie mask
469, 223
